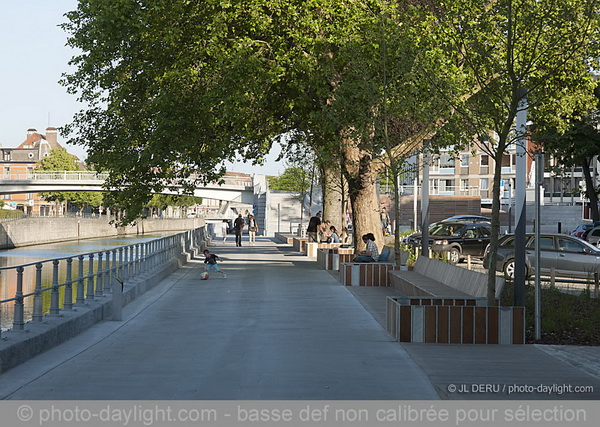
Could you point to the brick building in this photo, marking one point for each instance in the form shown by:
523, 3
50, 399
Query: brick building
20, 161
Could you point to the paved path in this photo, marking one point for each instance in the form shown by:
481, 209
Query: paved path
281, 328
277, 328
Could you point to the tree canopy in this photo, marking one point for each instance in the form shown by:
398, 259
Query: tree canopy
60, 160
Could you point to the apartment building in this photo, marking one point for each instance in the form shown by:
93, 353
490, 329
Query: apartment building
20, 161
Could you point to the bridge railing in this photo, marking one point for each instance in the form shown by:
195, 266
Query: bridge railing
96, 176
64, 283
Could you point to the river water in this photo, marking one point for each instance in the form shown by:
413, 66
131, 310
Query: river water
29, 254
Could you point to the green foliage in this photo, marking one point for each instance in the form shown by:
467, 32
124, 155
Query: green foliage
11, 214
292, 179
59, 160
568, 316
162, 201
484, 58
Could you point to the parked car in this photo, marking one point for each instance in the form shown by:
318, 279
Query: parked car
467, 218
593, 236
568, 255
459, 239
581, 228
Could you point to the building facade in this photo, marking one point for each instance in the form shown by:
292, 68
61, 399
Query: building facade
19, 162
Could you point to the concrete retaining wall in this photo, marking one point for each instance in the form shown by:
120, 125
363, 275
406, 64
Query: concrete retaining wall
35, 231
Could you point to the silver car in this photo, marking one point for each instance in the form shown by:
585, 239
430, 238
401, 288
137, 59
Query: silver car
569, 256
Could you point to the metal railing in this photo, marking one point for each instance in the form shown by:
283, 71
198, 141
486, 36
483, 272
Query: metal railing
96, 176
91, 275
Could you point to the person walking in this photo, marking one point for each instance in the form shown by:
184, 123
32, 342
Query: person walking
224, 229
385, 220
211, 263
252, 229
313, 227
238, 226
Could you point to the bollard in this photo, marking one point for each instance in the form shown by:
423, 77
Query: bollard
596, 284
68, 302
559, 227
37, 298
19, 311
468, 262
54, 310
552, 276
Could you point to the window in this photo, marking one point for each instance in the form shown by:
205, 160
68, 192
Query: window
7, 156
446, 160
546, 243
464, 184
485, 160
484, 184
569, 245
485, 232
6, 172
464, 160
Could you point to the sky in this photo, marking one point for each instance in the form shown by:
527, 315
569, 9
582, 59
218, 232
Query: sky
33, 56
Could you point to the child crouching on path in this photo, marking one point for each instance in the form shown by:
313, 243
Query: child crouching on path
211, 262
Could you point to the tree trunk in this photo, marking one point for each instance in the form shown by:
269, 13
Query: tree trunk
362, 192
491, 284
590, 190
332, 197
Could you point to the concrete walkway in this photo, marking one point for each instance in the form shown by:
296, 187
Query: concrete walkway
277, 328
281, 328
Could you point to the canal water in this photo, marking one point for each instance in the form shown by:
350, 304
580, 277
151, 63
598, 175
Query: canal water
32, 254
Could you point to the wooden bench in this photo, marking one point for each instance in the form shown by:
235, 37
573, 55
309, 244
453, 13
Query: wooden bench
436, 278
454, 321
370, 273
313, 247
331, 258
286, 238
366, 273
300, 243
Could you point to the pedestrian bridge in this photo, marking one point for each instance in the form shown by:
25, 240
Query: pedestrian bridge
232, 189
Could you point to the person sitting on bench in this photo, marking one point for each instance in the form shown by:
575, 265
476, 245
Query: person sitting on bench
371, 253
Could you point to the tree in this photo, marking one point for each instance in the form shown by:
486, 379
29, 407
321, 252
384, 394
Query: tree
293, 179
173, 89
578, 145
492, 54
60, 160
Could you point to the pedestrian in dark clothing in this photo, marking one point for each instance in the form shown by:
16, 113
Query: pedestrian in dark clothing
313, 227
238, 226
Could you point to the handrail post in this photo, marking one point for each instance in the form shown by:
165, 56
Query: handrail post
54, 310
90, 283
19, 311
120, 267
100, 274
80, 299
108, 276
37, 298
114, 269
138, 260
68, 302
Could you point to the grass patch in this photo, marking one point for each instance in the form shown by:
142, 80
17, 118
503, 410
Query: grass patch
567, 317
